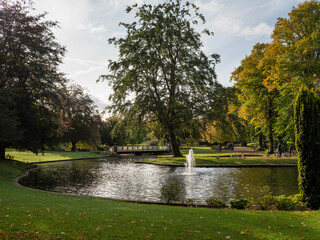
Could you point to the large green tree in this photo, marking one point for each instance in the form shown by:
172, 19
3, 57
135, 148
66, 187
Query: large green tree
113, 132
29, 77
296, 58
162, 73
81, 115
224, 123
258, 101
307, 131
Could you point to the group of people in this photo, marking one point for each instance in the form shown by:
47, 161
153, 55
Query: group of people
230, 146
281, 149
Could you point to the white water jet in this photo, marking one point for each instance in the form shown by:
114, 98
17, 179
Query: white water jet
190, 162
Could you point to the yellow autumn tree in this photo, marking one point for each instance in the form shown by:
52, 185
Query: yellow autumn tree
295, 54
257, 100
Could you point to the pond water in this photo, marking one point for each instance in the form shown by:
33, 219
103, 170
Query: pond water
120, 178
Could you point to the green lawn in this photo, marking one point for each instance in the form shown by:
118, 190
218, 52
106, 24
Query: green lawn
33, 214
204, 150
29, 157
204, 156
212, 160
233, 158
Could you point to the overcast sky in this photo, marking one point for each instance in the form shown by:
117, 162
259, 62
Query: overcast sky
85, 26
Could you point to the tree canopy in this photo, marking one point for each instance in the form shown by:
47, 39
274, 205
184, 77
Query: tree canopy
29, 77
258, 102
81, 117
295, 46
162, 74
271, 76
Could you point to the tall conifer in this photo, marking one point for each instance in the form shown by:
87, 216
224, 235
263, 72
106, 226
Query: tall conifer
307, 132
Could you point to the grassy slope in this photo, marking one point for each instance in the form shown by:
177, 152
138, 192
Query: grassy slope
29, 157
32, 214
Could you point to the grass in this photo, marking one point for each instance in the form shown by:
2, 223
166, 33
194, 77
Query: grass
33, 214
208, 157
203, 155
222, 161
29, 157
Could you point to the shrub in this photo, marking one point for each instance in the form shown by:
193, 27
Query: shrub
171, 192
298, 199
9, 157
215, 203
267, 202
81, 147
189, 202
263, 198
285, 203
240, 204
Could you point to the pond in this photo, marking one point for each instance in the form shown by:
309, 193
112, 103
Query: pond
120, 178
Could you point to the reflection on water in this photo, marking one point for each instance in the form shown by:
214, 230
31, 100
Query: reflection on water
122, 179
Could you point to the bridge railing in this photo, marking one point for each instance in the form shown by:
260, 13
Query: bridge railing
140, 148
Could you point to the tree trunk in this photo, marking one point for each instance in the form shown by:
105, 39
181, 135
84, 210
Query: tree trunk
270, 123
271, 148
73, 149
2, 152
260, 141
174, 144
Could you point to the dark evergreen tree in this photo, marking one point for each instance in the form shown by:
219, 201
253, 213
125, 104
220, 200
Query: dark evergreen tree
307, 132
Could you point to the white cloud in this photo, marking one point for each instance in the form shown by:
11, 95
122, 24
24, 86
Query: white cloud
213, 6
84, 62
101, 101
68, 12
116, 5
90, 68
236, 27
91, 28
259, 30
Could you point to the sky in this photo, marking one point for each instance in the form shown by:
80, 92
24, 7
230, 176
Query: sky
86, 25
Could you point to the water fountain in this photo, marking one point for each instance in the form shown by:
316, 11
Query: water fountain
190, 163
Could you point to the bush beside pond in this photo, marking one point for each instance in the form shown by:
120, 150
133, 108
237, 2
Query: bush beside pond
267, 202
215, 203
239, 204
